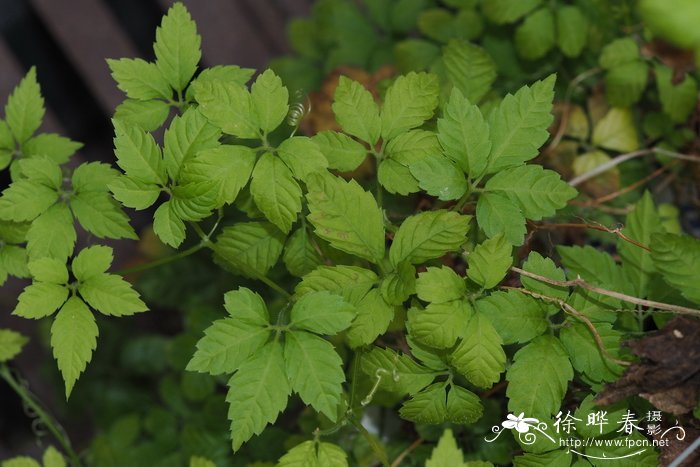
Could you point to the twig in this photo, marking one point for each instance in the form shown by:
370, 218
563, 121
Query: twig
407, 451
578, 282
616, 231
633, 186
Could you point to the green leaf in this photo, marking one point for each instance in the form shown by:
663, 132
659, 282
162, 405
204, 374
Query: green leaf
440, 177
52, 233
138, 154
517, 317
346, 216
470, 68
396, 178
616, 131
618, 52
585, 354
133, 193
595, 267
439, 325
246, 305
100, 215
625, 83
412, 146
258, 392
508, 11
270, 100
13, 260
312, 454
350, 282
408, 103
677, 99
41, 170
25, 200
227, 167
479, 357
428, 406
167, 226
11, 344
538, 378
226, 345
464, 134
374, 315
398, 285
440, 285
315, 371
188, 134
53, 458
535, 36
111, 295
556, 457
490, 261
678, 260
20, 461
322, 312
73, 339
428, 235
139, 79
25, 108
197, 461
275, 191
519, 125
415, 54
226, 73
463, 407
251, 248
446, 452
572, 30
177, 47
49, 270
302, 156
496, 214
341, 151
40, 299
537, 192
93, 176
147, 115
537, 264
356, 111
397, 373
194, 201
229, 107
56, 147
300, 255
92, 261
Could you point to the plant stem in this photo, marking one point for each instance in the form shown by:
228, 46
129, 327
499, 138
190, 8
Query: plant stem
376, 447
46, 419
162, 261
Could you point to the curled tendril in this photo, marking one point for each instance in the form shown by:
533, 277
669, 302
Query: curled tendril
39, 428
299, 109
378, 375
680, 436
494, 429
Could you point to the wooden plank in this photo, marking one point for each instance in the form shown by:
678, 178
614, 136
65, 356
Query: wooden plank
88, 33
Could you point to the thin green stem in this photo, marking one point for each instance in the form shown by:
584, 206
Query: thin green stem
43, 415
372, 441
162, 261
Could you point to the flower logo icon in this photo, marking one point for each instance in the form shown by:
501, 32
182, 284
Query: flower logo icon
521, 423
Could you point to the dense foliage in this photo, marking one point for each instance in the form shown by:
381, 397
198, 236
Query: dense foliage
411, 270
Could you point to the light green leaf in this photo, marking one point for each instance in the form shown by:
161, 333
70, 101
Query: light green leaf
315, 371
147, 115
133, 193
300, 255
440, 177
275, 192
595, 267
258, 392
322, 312
229, 107
177, 47
270, 100
341, 151
408, 103
517, 317
618, 52
91, 262
11, 344
374, 315
13, 260
226, 73
538, 378
464, 134
398, 285
25, 200
93, 176
53, 458
496, 214
519, 125
572, 30
470, 68
111, 295
313, 454
479, 357
625, 83
188, 134
428, 235
56, 147
346, 216
73, 339
350, 282
545, 267
138, 154
537, 192
195, 201
197, 461
245, 305
49, 270
302, 156
226, 345
139, 79
413, 146
396, 178
677, 99
556, 457
167, 226
534, 37
440, 285
228, 167
463, 407
52, 233
40, 299
20, 461
446, 452
616, 131
678, 260
100, 215
41, 170
250, 248
428, 406
24, 110
585, 354
490, 261
507, 11
356, 111
399, 373
439, 325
